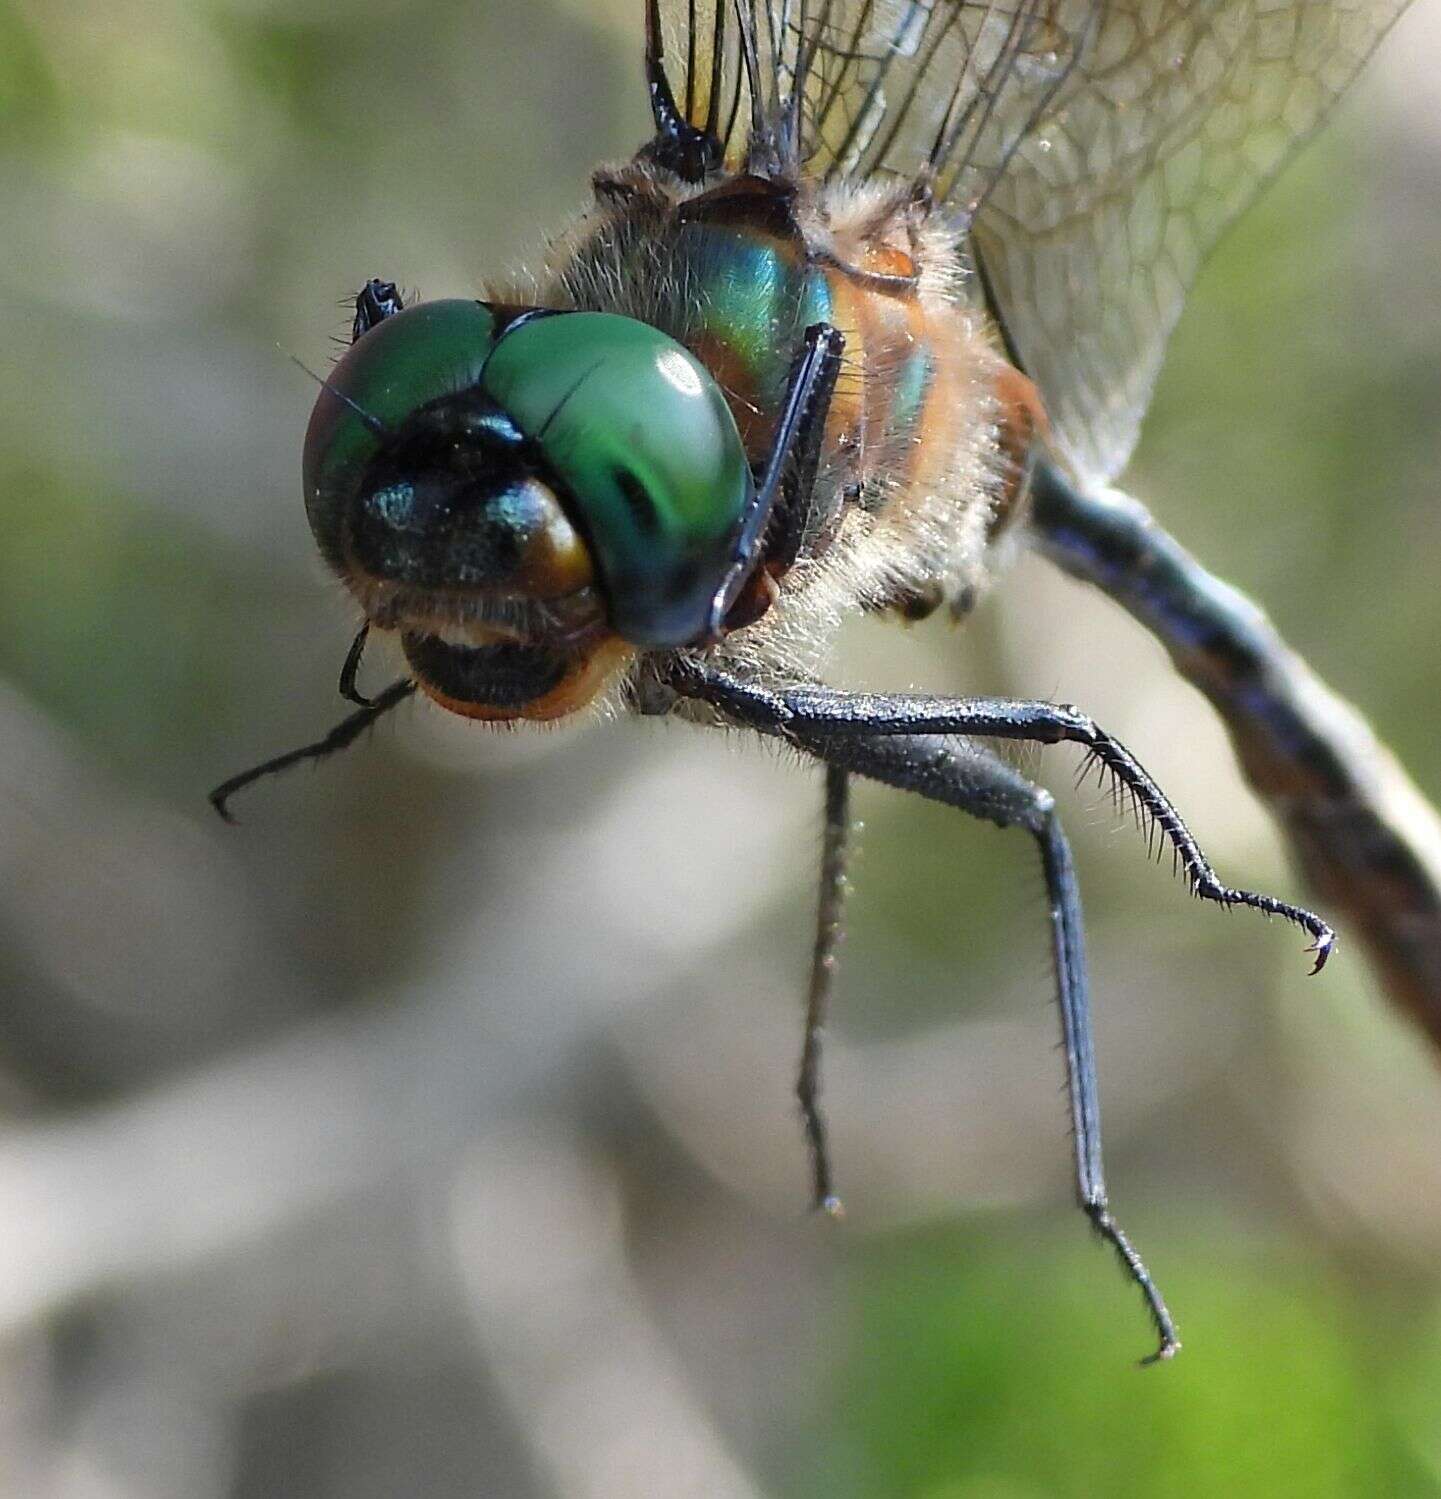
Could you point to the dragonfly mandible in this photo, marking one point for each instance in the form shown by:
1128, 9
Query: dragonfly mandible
890, 283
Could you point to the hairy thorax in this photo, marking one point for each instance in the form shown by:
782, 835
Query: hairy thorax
920, 468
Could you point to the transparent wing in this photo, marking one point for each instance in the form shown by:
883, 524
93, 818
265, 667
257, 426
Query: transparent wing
1177, 113
1093, 149
943, 87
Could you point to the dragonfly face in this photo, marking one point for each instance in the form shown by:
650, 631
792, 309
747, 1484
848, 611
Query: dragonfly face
799, 357
480, 478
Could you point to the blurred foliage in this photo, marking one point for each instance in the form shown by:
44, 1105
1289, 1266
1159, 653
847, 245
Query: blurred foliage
193, 190
963, 1388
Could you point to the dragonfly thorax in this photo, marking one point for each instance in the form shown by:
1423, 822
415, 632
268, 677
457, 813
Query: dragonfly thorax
919, 455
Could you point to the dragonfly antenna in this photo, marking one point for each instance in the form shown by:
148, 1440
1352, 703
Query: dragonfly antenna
373, 424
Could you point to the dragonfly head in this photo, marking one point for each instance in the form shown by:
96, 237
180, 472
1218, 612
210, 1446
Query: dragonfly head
526, 496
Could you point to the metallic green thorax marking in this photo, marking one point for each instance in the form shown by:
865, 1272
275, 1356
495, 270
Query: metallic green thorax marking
913, 380
755, 296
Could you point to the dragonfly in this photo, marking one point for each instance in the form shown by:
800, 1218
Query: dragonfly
880, 301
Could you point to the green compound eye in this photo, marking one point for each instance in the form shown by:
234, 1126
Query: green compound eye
435, 423
427, 351
646, 451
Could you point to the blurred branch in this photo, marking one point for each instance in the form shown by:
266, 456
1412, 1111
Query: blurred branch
538, 1221
1365, 837
233, 1152
238, 1152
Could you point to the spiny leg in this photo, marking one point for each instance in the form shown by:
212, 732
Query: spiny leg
348, 672
790, 468
342, 735
976, 781
1068, 947
829, 912
825, 715
374, 302
802, 428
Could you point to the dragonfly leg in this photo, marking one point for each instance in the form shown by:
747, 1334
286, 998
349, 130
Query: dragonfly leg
829, 928
977, 781
796, 452
961, 774
350, 670
374, 302
813, 714
790, 469
343, 734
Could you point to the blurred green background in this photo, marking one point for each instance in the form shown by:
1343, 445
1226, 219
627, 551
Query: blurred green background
432, 1132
